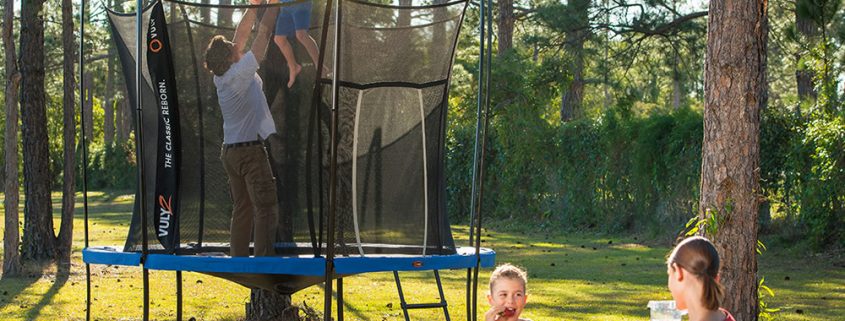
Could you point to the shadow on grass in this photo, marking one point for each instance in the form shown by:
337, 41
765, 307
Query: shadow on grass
61, 278
12, 286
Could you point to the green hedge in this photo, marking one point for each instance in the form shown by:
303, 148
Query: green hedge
619, 171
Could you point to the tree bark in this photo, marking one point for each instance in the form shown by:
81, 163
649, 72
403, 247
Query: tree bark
88, 107
573, 94
124, 118
505, 24
804, 75
63, 244
224, 18
38, 235
265, 305
734, 93
676, 84
205, 13
108, 109
11, 234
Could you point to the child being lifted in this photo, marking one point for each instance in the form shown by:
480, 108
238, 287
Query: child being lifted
295, 19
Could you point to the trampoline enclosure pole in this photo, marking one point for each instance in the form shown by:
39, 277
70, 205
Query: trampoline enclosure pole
315, 98
84, 155
139, 147
330, 237
471, 292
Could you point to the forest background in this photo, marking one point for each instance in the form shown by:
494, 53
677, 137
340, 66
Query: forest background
596, 120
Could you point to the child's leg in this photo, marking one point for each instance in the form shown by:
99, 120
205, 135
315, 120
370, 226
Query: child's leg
310, 46
284, 28
301, 14
287, 51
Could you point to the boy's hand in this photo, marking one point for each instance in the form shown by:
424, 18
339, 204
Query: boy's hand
493, 314
499, 313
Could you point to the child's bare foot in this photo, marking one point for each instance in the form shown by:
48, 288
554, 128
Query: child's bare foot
294, 71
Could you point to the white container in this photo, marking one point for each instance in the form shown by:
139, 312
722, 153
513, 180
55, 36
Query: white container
664, 311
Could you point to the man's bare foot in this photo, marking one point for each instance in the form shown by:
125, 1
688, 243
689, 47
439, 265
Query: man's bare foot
294, 71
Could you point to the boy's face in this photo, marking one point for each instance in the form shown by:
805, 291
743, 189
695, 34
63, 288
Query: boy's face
509, 297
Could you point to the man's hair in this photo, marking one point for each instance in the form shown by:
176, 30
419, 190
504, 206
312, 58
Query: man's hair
509, 271
218, 55
699, 256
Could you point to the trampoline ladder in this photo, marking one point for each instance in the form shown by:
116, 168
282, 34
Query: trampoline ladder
406, 306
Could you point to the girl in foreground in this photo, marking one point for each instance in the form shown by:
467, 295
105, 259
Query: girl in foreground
693, 269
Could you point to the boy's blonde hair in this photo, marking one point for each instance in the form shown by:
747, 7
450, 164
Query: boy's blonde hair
509, 271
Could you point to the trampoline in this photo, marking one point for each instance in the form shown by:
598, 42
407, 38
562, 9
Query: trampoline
359, 154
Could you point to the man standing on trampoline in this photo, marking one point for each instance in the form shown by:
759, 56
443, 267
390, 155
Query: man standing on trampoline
246, 122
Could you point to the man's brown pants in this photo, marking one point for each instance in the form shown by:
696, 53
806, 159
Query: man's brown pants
253, 191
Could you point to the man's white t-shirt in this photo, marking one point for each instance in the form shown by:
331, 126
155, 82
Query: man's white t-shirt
246, 115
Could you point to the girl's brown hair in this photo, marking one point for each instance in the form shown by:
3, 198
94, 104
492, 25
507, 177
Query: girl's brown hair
699, 256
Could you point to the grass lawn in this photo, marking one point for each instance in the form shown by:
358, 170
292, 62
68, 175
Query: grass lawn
572, 277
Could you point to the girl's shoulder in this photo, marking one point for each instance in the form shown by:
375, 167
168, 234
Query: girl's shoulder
728, 316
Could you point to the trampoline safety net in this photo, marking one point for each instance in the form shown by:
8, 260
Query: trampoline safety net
393, 67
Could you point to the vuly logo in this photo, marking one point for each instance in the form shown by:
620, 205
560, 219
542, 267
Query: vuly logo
165, 215
155, 44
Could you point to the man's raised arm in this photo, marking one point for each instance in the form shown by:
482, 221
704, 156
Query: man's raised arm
265, 30
245, 27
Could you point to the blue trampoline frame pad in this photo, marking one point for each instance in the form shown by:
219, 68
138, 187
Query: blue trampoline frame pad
306, 265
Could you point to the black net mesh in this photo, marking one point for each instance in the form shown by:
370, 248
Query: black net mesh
393, 71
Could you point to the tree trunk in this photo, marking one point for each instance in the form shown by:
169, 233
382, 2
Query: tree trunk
676, 84
108, 109
63, 245
224, 18
734, 93
265, 305
124, 118
11, 234
38, 237
804, 75
505, 24
573, 94
173, 16
88, 107
205, 13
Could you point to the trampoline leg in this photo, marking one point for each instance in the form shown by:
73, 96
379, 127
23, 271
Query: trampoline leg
339, 299
442, 297
178, 295
405, 306
402, 302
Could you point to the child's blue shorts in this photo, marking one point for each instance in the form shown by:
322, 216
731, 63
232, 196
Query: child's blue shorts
292, 18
